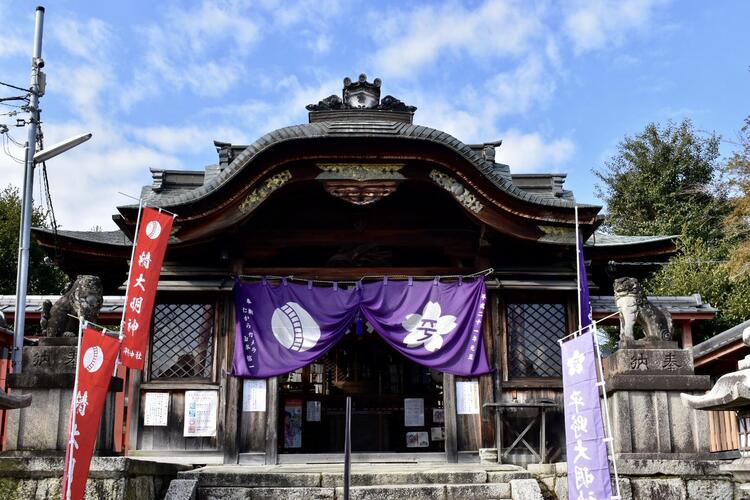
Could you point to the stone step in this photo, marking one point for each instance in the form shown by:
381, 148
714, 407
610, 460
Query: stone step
380, 475
486, 491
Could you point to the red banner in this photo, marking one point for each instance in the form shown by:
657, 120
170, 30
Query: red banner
150, 246
96, 363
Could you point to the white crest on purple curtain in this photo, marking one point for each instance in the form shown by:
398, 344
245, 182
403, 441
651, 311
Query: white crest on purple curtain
428, 328
283, 327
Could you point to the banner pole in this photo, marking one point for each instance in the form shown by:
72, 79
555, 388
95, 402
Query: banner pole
608, 425
578, 270
577, 332
72, 420
127, 287
348, 447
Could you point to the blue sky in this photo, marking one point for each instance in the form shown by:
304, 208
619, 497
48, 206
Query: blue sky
560, 82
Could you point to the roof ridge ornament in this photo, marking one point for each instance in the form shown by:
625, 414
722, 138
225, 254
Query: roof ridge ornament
359, 95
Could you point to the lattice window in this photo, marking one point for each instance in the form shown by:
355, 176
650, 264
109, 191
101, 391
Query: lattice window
182, 341
533, 331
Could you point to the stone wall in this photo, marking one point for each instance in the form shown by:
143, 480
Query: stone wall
651, 479
39, 478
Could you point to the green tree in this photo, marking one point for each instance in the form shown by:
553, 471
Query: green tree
702, 267
44, 276
668, 180
737, 224
665, 180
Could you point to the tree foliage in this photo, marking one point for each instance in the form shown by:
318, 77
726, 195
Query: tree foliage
701, 267
44, 276
668, 180
664, 181
738, 221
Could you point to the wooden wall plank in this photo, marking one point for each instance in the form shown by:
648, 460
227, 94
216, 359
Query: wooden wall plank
712, 432
451, 431
272, 414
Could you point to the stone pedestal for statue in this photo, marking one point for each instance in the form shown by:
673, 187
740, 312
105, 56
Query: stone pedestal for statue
48, 375
644, 382
732, 393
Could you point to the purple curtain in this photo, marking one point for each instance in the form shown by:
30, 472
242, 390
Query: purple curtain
434, 324
283, 327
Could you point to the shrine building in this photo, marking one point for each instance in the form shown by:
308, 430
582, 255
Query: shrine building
360, 193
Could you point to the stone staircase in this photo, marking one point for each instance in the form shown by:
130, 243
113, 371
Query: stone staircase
369, 482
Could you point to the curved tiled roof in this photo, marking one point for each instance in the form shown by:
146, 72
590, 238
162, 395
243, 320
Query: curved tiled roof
356, 129
720, 340
115, 237
601, 239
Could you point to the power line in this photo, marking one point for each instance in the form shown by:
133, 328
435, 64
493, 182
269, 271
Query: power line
45, 182
15, 87
6, 150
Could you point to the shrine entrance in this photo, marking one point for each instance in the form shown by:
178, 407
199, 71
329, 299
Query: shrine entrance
397, 405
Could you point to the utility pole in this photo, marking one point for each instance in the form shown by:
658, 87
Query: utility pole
24, 237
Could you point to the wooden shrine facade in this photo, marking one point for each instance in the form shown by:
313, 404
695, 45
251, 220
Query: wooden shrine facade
359, 192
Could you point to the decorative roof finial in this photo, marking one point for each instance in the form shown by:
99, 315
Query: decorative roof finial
362, 94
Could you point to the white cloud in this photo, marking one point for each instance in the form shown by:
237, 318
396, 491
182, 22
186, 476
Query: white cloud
257, 117
14, 46
90, 39
594, 25
84, 181
187, 139
83, 87
17, 38
417, 38
201, 49
517, 91
530, 152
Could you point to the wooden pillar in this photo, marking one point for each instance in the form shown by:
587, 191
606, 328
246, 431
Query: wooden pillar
687, 333
451, 428
134, 408
231, 385
497, 371
272, 414
231, 416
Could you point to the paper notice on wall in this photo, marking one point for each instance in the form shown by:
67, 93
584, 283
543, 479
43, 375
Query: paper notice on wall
254, 395
156, 408
293, 423
413, 412
313, 411
467, 397
200, 413
417, 440
438, 415
437, 433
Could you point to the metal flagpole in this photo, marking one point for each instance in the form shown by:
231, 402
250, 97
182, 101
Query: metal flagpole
609, 440
127, 287
578, 271
71, 430
348, 448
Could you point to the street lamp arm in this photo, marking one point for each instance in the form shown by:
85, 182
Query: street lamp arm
60, 147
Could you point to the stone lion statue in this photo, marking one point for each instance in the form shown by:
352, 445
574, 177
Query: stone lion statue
82, 299
635, 309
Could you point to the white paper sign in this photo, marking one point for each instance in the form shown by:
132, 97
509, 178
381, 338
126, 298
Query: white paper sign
254, 395
200, 413
413, 412
313, 411
437, 433
156, 408
467, 397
